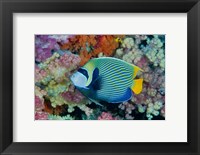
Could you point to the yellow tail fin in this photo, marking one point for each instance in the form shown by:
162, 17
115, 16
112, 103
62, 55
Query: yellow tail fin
137, 86
136, 69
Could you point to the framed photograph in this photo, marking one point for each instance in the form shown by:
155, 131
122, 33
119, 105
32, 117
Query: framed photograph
79, 76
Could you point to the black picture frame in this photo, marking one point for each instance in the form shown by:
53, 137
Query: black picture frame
8, 7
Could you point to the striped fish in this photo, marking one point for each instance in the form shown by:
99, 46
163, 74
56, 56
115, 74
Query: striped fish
107, 79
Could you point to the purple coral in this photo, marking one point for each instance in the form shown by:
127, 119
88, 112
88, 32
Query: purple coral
43, 47
62, 39
44, 44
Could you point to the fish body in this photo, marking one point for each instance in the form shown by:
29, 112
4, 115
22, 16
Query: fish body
107, 79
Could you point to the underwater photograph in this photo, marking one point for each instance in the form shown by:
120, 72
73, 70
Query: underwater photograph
99, 77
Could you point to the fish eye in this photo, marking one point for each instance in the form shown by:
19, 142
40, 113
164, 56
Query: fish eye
84, 72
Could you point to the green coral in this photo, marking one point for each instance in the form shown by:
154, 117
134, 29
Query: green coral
154, 109
141, 108
54, 89
155, 52
128, 43
56, 117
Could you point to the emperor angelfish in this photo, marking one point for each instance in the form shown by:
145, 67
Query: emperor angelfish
107, 79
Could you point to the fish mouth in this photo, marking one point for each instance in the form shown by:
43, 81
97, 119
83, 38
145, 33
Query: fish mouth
72, 80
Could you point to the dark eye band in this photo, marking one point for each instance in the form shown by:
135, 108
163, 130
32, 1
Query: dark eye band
84, 72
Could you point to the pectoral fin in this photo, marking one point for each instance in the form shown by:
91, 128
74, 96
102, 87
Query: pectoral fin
96, 102
97, 84
137, 86
95, 74
96, 80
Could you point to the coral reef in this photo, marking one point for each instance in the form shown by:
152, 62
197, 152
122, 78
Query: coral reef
46, 44
39, 109
58, 56
90, 46
106, 116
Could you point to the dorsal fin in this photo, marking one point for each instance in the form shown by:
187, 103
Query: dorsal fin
96, 102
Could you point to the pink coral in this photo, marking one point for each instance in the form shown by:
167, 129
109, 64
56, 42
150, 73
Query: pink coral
39, 109
163, 111
67, 60
39, 104
73, 96
106, 116
142, 63
39, 74
41, 115
140, 98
